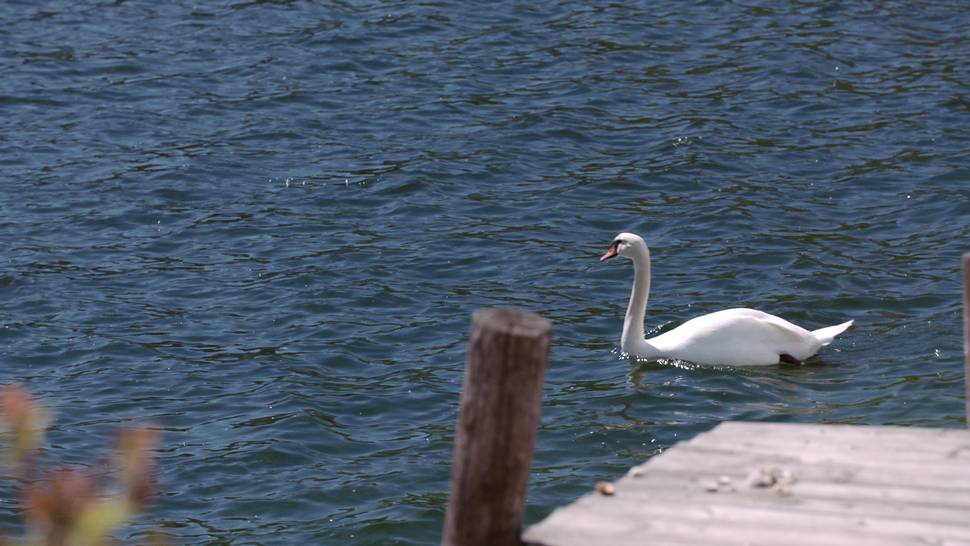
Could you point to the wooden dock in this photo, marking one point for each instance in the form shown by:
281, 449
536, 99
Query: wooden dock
792, 484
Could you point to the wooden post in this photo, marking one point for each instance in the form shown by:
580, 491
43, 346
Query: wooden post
966, 334
497, 424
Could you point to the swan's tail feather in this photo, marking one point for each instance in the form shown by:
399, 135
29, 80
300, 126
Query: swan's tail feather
826, 335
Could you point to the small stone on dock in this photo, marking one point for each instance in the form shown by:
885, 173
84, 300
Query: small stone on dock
605, 488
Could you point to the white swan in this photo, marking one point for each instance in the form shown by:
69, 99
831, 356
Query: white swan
735, 337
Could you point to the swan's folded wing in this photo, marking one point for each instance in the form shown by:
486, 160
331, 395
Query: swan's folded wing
757, 323
786, 330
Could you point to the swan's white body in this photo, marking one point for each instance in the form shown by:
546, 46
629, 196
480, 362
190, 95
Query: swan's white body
735, 337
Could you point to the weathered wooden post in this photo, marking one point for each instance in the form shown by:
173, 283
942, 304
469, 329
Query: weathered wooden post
966, 333
497, 424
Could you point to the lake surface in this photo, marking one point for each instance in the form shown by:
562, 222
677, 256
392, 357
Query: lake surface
263, 227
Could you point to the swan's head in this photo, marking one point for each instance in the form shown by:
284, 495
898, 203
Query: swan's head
627, 245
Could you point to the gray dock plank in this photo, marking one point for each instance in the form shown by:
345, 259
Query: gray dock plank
756, 483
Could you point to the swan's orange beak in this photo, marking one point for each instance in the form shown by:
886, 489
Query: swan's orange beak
610, 252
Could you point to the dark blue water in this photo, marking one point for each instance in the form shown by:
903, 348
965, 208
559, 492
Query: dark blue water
263, 227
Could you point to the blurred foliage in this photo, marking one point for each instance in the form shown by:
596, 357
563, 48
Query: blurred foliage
72, 507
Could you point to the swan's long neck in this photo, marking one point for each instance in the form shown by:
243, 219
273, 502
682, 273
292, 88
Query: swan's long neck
632, 340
